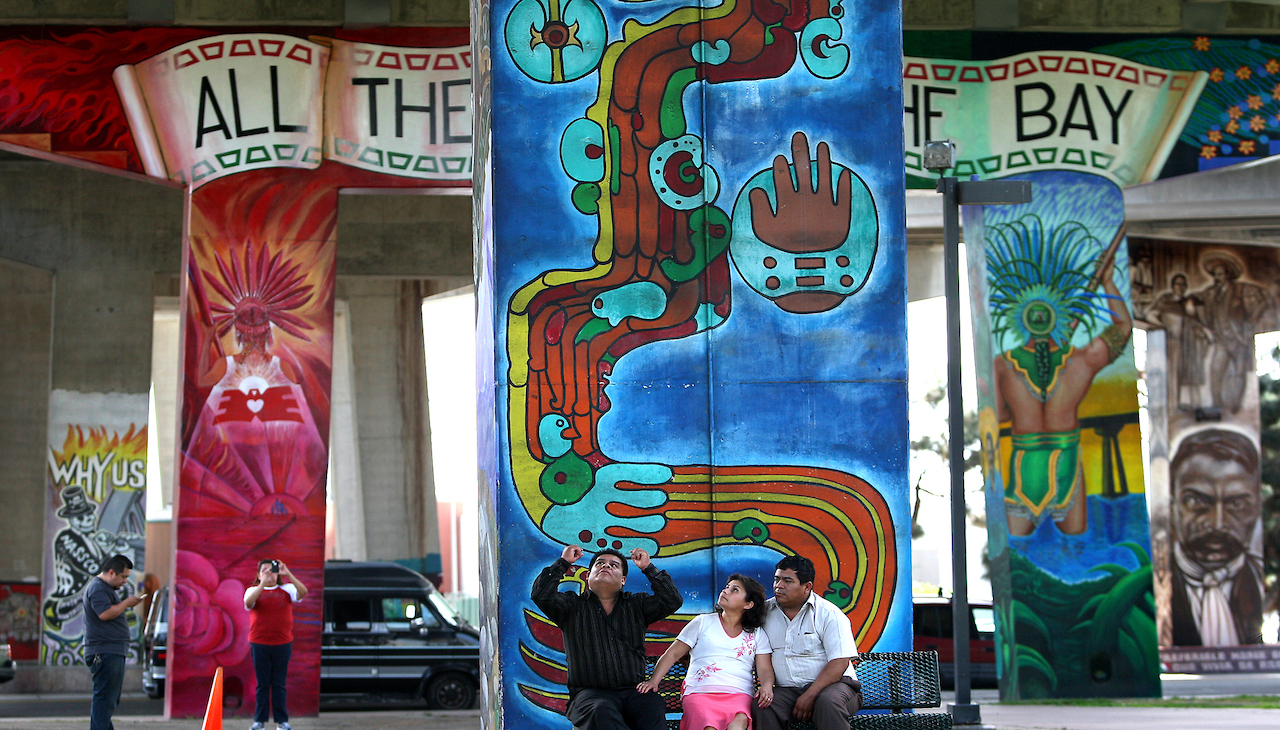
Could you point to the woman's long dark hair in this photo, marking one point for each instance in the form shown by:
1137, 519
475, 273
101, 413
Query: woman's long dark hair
752, 618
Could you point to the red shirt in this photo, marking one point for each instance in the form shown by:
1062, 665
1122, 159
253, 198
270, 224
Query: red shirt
271, 618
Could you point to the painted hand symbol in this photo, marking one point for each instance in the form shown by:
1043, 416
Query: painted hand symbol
808, 219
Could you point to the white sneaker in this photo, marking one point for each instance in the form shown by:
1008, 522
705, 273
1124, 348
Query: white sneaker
284, 726
257, 726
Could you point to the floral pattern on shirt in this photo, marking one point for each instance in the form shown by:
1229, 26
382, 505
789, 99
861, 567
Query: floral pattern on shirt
705, 672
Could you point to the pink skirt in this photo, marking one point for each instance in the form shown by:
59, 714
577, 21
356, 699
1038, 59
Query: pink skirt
714, 709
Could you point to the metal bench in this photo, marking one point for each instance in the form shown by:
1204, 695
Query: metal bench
894, 681
898, 681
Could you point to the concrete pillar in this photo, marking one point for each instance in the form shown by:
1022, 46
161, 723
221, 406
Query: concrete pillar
396, 477
97, 413
1209, 301
26, 300
346, 489
257, 348
687, 344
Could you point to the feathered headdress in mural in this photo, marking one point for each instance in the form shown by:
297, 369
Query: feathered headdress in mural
1039, 280
259, 292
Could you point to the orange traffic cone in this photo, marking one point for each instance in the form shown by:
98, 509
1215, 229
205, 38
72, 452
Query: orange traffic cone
213, 713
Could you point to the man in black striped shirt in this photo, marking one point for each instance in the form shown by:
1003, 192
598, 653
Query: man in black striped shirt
604, 632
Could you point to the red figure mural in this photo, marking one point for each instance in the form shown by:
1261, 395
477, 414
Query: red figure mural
259, 258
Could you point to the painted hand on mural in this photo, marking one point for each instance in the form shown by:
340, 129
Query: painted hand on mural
799, 242
809, 218
661, 272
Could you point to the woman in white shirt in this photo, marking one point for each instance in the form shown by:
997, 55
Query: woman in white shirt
722, 648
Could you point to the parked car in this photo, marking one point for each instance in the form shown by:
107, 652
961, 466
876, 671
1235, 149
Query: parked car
934, 632
154, 635
7, 670
387, 631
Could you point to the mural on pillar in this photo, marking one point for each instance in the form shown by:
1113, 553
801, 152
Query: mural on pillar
20, 620
95, 508
649, 398
262, 129
1238, 116
1211, 301
1058, 411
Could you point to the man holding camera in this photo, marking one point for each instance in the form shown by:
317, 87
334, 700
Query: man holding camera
270, 605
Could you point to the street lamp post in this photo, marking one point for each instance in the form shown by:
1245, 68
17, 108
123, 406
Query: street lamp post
939, 156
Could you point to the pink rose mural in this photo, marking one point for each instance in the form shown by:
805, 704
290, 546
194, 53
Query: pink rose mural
209, 617
209, 623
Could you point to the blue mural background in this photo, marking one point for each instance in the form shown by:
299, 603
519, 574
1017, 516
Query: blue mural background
766, 386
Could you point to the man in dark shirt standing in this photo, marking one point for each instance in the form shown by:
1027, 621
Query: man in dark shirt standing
604, 632
106, 638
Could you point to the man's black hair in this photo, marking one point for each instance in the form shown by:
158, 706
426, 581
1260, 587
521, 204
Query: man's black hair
116, 564
1219, 444
611, 551
802, 566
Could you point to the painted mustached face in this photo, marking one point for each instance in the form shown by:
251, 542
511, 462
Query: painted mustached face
1217, 508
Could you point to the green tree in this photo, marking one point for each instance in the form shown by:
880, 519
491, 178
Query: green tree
937, 442
1269, 397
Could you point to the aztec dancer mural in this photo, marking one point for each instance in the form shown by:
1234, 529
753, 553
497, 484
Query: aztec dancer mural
1067, 516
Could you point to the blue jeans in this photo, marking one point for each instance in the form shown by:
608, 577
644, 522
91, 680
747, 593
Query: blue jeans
271, 667
108, 678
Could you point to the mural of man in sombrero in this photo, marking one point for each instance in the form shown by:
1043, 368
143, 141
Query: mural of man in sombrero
1041, 290
1231, 310
78, 551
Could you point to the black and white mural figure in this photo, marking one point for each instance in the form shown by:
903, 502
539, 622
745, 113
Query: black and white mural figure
1217, 583
1206, 506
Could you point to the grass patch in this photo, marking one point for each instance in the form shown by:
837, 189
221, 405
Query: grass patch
1261, 702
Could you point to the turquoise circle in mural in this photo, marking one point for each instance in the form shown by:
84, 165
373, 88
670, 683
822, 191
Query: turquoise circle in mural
825, 272
582, 151
679, 175
555, 42
824, 59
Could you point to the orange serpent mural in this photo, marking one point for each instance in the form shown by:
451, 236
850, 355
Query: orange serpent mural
661, 271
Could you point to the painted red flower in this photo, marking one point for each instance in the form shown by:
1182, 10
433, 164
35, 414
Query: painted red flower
1215, 136
1273, 66
1234, 112
1201, 44
1255, 102
1216, 75
209, 620
1246, 147
1208, 151
1257, 123
1232, 127
1244, 73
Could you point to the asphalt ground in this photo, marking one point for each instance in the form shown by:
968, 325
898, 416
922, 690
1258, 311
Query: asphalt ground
137, 712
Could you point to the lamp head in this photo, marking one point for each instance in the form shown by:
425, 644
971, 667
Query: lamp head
939, 155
